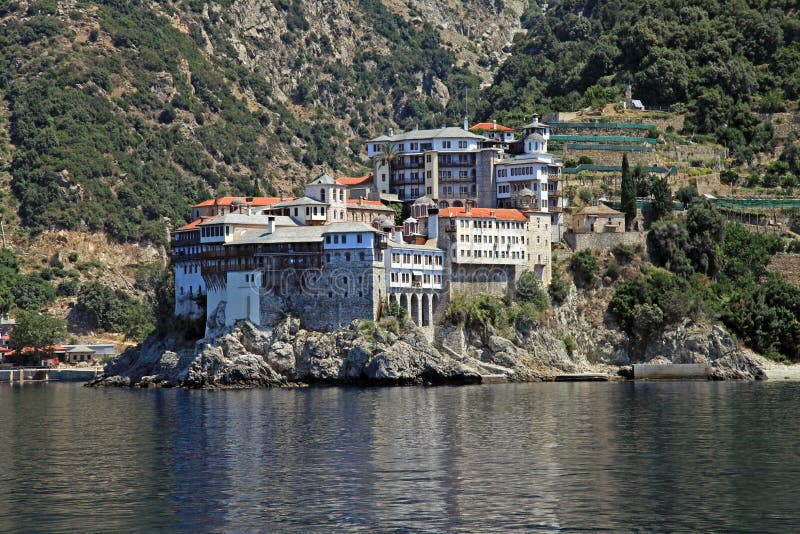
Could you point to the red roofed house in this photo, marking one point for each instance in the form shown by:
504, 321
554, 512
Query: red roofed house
489, 248
368, 211
494, 131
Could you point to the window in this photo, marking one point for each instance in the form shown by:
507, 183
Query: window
359, 238
336, 239
462, 144
322, 195
295, 212
414, 146
344, 239
346, 256
445, 144
328, 239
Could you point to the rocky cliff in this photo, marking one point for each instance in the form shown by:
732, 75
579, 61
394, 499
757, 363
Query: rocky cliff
394, 353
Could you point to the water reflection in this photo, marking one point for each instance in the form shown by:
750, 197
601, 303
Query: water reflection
653, 456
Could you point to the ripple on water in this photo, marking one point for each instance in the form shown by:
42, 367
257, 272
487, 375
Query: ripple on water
609, 456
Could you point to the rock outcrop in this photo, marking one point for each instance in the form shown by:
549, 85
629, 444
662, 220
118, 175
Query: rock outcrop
247, 356
576, 337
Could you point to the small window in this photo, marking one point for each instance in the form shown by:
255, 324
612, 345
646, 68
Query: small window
359, 238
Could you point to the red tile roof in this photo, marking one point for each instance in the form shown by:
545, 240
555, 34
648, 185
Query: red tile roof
28, 350
227, 201
490, 127
484, 213
355, 181
190, 226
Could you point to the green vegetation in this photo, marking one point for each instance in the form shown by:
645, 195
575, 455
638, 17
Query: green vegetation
394, 309
558, 287
36, 331
23, 291
628, 193
720, 60
113, 310
485, 312
584, 267
709, 268
570, 345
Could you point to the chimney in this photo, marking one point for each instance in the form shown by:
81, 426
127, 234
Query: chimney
271, 225
391, 132
494, 124
535, 119
468, 208
398, 234
466, 124
433, 223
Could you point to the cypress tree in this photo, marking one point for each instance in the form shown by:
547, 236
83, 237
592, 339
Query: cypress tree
628, 193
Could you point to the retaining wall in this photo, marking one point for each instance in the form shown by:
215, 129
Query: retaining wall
578, 242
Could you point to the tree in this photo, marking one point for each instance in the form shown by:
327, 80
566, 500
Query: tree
685, 195
31, 292
529, 290
662, 198
584, 266
36, 331
558, 287
628, 194
706, 227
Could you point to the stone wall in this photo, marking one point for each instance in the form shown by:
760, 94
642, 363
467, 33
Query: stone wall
324, 299
607, 241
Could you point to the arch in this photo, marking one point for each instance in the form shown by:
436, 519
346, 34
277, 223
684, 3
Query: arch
458, 204
444, 204
416, 311
404, 302
426, 310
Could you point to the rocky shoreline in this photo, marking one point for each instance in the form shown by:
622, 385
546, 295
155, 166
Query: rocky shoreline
397, 353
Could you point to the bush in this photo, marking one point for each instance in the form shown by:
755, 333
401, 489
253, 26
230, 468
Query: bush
32, 292
584, 267
558, 286
570, 345
67, 288
114, 310
394, 309
529, 291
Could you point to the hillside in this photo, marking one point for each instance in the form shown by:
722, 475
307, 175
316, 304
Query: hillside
121, 114
720, 58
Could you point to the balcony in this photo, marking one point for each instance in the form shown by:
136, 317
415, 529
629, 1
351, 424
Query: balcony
456, 163
413, 164
185, 257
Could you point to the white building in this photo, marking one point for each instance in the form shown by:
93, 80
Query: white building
449, 164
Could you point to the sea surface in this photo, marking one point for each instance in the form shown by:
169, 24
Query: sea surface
632, 456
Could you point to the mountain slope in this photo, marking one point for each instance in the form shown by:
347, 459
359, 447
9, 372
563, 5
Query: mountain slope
124, 113
708, 53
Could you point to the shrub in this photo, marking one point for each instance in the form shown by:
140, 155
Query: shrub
558, 286
570, 345
584, 267
32, 292
67, 288
529, 290
623, 252
394, 309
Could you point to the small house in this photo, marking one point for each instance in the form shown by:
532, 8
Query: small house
80, 353
598, 219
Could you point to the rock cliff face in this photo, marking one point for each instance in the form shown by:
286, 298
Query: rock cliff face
390, 353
